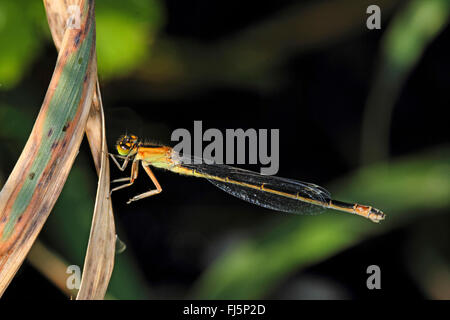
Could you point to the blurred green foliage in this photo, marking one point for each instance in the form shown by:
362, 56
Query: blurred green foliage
24, 20
413, 29
125, 33
403, 44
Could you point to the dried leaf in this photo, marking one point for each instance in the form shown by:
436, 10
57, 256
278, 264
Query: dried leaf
99, 261
42, 169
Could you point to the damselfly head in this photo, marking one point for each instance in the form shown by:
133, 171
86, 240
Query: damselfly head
127, 144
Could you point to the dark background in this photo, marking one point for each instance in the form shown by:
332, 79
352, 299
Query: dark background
317, 98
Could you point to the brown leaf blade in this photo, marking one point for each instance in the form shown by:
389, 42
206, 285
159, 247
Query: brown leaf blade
38, 177
99, 260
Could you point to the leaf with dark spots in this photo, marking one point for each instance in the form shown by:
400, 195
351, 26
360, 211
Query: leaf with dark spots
77, 39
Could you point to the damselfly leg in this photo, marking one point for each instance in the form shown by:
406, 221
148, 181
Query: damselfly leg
133, 176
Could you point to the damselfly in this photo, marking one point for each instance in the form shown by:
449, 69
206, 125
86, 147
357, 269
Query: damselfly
266, 191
